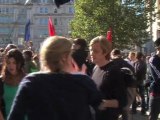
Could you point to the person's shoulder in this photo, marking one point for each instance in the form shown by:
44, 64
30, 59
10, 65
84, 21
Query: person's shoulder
112, 66
154, 59
80, 76
33, 76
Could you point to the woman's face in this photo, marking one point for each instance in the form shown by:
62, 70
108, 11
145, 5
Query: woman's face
11, 66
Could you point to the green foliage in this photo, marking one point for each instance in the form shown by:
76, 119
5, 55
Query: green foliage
128, 20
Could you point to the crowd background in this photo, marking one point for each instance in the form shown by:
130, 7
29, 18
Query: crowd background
108, 93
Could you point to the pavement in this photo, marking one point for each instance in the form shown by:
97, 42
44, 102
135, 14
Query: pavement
139, 116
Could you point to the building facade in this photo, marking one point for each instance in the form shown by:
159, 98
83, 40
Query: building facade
14, 15
156, 23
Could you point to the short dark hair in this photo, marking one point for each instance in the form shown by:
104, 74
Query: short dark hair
116, 52
81, 42
139, 55
157, 43
79, 57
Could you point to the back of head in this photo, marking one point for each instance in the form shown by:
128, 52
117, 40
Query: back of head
79, 57
28, 54
115, 53
10, 46
139, 55
52, 51
81, 43
157, 43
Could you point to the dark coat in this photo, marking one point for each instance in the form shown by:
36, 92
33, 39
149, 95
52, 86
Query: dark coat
56, 96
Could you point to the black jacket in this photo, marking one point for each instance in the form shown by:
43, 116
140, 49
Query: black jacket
58, 96
140, 71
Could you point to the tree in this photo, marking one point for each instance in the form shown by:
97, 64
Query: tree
128, 20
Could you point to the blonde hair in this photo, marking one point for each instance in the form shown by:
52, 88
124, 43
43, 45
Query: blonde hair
104, 44
52, 51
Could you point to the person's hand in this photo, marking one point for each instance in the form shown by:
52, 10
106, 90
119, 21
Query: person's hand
103, 105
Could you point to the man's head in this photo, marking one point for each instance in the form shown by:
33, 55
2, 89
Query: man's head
132, 56
115, 53
79, 43
99, 50
140, 56
157, 44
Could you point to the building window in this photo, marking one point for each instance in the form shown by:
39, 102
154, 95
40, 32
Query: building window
6, 10
4, 30
44, 1
43, 10
71, 10
43, 21
55, 21
42, 32
21, 30
46, 10
55, 10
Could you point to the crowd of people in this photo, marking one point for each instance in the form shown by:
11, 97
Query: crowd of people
72, 80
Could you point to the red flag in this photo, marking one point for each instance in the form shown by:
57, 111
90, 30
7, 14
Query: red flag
109, 35
51, 29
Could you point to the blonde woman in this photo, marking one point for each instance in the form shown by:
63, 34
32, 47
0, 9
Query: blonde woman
55, 94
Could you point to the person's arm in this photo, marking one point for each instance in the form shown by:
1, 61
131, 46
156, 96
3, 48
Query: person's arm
155, 68
1, 116
108, 104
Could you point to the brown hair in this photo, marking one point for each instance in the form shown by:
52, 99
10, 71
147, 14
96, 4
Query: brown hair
52, 51
17, 55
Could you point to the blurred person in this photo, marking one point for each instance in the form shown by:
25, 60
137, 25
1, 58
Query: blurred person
79, 59
9, 47
107, 78
131, 58
29, 66
154, 97
140, 74
31, 47
55, 93
130, 82
1, 116
148, 81
36, 61
81, 45
12, 74
116, 57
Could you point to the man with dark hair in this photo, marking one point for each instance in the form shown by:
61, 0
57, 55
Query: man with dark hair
80, 60
130, 83
154, 99
81, 45
140, 74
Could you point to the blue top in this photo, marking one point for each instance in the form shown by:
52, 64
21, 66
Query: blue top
55, 96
